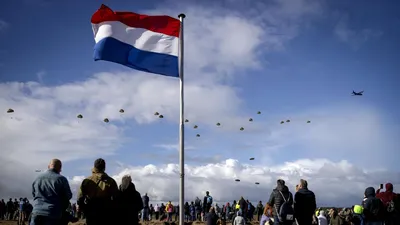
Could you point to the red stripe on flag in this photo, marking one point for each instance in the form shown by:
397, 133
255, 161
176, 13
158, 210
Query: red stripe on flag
160, 24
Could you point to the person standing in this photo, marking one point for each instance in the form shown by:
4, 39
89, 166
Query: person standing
157, 211
304, 204
51, 195
97, 196
145, 212
207, 202
281, 200
374, 210
129, 201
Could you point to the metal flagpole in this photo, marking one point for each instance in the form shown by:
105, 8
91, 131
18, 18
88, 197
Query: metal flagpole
181, 127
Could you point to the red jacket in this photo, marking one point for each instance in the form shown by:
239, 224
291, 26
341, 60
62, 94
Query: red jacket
386, 196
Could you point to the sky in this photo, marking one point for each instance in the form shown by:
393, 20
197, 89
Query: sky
296, 60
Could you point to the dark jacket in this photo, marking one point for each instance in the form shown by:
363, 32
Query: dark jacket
304, 206
51, 194
129, 204
243, 205
276, 199
373, 206
97, 197
211, 218
145, 200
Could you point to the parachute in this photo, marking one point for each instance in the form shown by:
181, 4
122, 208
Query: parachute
160, 116
106, 120
195, 126
79, 116
237, 180
197, 135
308, 121
242, 129
218, 124
252, 158
287, 121
10, 110
259, 112
251, 119
257, 183
282, 122
156, 113
121, 110
186, 121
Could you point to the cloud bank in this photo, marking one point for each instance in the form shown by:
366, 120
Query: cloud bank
45, 124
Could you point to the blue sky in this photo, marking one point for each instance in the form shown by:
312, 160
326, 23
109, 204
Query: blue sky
297, 60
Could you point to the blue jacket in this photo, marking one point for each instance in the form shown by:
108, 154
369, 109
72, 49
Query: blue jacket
51, 194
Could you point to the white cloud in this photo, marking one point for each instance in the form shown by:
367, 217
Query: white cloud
326, 179
218, 46
354, 37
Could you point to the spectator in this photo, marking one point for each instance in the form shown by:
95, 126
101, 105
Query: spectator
389, 200
157, 211
130, 202
259, 210
51, 195
9, 209
207, 202
170, 211
2, 209
374, 210
239, 220
335, 219
304, 204
145, 213
97, 196
281, 200
211, 217
321, 218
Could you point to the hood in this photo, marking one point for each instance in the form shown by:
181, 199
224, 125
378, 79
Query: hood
369, 192
389, 187
280, 185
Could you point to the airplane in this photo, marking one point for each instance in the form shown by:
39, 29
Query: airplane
358, 93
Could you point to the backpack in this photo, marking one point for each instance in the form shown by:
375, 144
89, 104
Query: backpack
286, 211
209, 200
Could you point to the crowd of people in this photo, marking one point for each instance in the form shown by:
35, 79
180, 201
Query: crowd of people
100, 201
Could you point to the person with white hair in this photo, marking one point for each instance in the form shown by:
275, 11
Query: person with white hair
239, 219
322, 219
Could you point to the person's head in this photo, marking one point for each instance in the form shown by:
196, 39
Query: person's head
280, 183
100, 165
389, 187
369, 192
207, 192
322, 213
303, 184
212, 210
126, 182
145, 194
239, 213
55, 165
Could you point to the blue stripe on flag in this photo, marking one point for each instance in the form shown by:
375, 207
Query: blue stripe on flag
113, 50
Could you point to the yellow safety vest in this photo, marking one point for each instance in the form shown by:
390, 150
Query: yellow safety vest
358, 209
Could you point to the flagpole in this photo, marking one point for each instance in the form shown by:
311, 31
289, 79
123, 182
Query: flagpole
181, 127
